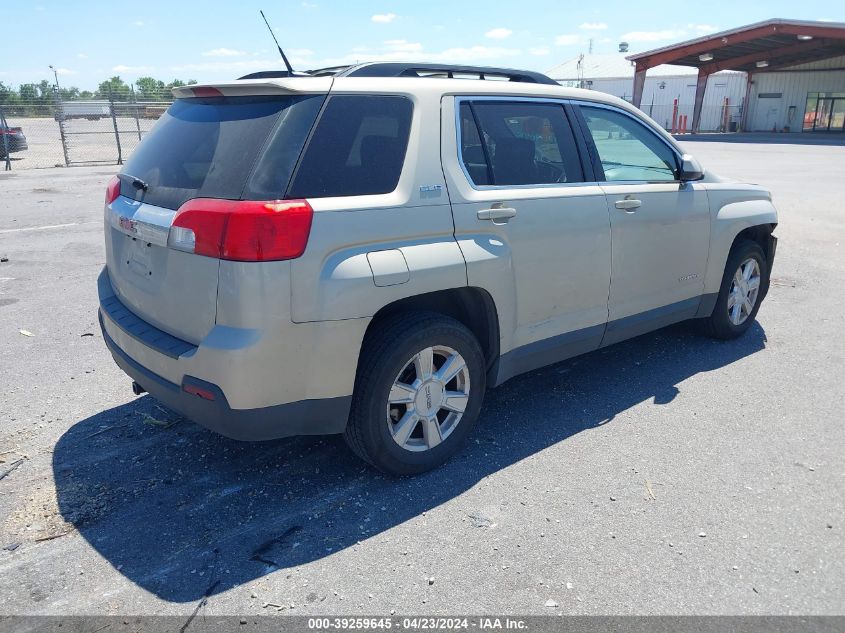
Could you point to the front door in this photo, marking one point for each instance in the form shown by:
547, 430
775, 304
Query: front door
660, 227
825, 112
531, 230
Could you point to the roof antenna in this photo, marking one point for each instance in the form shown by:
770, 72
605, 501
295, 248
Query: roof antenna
281, 52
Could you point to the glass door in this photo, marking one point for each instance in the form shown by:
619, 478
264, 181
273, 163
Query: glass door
837, 116
825, 112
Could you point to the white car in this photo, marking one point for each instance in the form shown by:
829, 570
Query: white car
366, 252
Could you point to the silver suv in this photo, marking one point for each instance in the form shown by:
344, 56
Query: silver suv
366, 250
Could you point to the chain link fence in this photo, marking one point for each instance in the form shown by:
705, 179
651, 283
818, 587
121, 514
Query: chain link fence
101, 131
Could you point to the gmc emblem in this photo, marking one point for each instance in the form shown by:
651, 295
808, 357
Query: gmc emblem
128, 225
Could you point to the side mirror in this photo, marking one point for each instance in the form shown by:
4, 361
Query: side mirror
691, 169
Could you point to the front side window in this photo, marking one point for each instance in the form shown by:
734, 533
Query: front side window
358, 148
627, 149
518, 143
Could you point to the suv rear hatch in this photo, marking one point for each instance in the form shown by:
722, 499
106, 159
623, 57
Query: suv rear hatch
212, 149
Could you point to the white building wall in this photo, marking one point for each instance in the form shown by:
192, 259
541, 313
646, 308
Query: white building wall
774, 112
657, 102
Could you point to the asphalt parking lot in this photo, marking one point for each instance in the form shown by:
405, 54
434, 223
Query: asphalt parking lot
667, 474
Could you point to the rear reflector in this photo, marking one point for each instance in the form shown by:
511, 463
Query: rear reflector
242, 230
205, 394
113, 190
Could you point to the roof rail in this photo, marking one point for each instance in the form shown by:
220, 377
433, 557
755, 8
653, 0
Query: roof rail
410, 69
330, 71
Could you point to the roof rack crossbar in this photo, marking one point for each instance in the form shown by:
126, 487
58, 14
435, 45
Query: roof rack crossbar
408, 69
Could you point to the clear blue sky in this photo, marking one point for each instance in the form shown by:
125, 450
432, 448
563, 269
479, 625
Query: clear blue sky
91, 40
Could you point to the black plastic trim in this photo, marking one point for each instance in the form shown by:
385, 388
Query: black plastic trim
636, 324
708, 303
557, 348
547, 352
148, 334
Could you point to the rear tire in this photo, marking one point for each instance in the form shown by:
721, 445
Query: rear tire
420, 384
744, 284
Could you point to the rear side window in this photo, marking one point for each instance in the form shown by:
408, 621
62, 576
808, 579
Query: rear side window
207, 147
518, 143
627, 149
358, 148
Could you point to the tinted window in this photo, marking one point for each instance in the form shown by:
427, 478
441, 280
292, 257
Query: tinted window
206, 147
522, 143
357, 148
473, 151
627, 149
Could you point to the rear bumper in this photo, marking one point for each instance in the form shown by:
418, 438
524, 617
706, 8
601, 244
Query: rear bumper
130, 340
306, 417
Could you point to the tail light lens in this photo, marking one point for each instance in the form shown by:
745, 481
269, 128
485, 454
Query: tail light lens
242, 230
206, 91
113, 190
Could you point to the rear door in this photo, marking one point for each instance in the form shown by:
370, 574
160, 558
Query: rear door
210, 147
532, 230
660, 226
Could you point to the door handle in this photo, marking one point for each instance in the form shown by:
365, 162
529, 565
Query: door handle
628, 205
497, 213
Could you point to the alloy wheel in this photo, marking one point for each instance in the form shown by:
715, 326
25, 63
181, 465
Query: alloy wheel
744, 290
428, 398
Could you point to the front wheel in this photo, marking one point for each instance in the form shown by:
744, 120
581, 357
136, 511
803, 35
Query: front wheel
743, 287
420, 384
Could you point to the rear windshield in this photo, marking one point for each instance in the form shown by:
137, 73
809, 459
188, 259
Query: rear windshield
208, 147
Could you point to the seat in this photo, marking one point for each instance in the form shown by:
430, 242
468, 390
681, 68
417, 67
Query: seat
513, 162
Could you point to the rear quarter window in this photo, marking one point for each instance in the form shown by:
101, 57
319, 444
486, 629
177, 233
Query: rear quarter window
358, 148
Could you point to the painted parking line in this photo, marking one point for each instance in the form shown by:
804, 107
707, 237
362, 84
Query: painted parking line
44, 228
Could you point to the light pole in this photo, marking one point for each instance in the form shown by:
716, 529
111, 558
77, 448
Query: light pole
56, 75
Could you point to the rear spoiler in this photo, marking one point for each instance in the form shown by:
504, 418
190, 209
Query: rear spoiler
257, 87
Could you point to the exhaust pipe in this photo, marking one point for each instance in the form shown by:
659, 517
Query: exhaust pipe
137, 389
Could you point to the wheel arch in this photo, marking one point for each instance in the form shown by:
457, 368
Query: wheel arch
754, 219
472, 306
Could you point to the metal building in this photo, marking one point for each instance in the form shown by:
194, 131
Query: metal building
668, 92
795, 73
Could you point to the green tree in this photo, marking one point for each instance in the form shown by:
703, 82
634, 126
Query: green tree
116, 87
178, 83
45, 92
8, 95
150, 89
28, 93
69, 94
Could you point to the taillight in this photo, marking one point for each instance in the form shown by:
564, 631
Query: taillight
242, 230
113, 190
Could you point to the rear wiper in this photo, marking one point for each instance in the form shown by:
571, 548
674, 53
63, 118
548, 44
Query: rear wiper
139, 184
